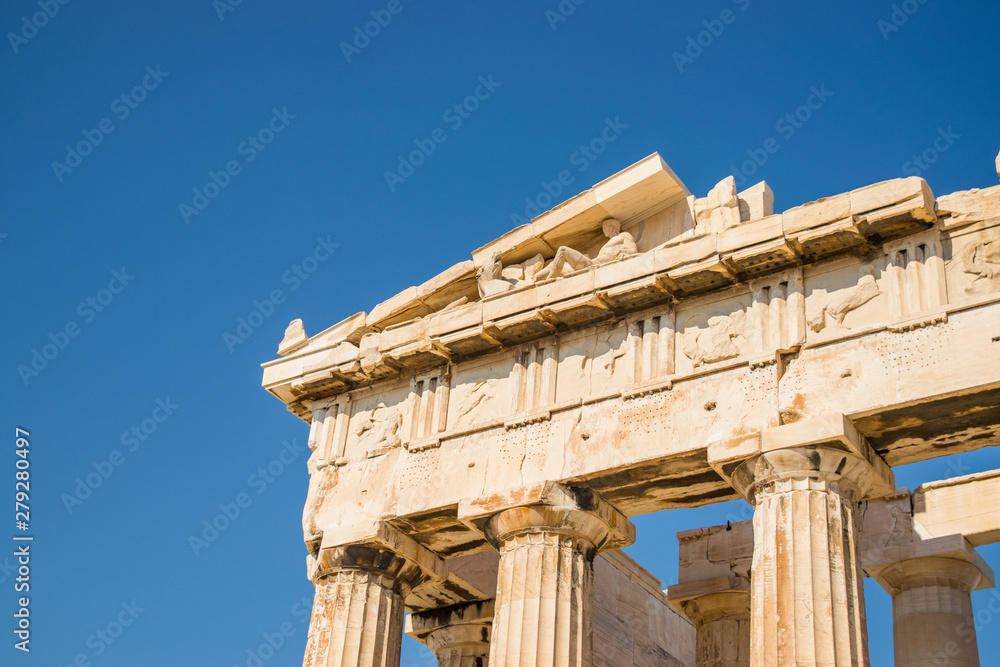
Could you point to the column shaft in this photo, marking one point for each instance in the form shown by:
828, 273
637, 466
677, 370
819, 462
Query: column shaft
806, 588
357, 621
544, 604
806, 594
933, 620
722, 624
357, 618
547, 536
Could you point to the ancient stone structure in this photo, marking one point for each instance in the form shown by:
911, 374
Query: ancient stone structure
481, 440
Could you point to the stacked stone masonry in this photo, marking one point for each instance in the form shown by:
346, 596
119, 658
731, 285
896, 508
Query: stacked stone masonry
480, 440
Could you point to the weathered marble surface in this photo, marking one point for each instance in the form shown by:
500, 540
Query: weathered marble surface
654, 349
913, 544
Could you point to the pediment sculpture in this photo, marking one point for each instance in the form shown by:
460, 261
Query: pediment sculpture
494, 278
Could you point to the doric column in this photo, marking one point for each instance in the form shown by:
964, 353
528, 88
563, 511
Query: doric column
459, 636
357, 616
807, 598
547, 537
719, 609
931, 585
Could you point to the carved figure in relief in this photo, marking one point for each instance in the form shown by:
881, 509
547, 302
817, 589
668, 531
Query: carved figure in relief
495, 278
472, 404
719, 342
620, 245
902, 527
490, 277
321, 480
719, 210
379, 432
320, 483
525, 271
982, 260
864, 291
295, 336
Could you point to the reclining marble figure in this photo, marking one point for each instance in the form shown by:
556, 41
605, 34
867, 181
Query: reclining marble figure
620, 246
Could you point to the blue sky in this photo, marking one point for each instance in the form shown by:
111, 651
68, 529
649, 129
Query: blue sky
205, 151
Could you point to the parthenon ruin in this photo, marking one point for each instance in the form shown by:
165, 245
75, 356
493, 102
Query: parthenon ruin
479, 441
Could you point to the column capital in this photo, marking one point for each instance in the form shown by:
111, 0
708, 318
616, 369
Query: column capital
825, 451
380, 549
464, 628
549, 507
710, 600
941, 561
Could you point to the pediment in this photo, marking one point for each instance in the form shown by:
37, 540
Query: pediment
635, 240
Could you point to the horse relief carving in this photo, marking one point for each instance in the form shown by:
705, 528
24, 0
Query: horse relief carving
864, 291
722, 340
982, 260
379, 432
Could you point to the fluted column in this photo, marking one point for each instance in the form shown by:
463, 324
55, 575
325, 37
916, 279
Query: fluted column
459, 636
357, 617
545, 584
807, 598
933, 621
719, 609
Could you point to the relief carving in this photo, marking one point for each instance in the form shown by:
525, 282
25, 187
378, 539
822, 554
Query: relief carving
723, 339
982, 260
525, 271
495, 278
473, 403
901, 531
320, 483
719, 210
379, 432
865, 290
490, 278
620, 245
295, 337
323, 436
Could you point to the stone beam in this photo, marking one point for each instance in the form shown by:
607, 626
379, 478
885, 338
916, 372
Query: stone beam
968, 505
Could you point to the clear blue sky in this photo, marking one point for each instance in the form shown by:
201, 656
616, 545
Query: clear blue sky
327, 124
